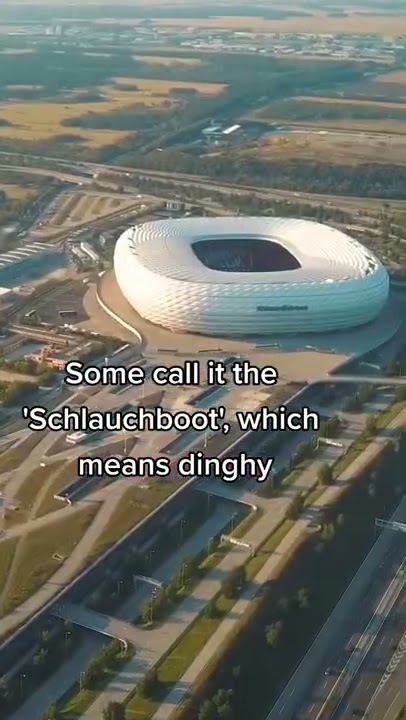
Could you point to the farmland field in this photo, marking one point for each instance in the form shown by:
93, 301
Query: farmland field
397, 77
350, 101
161, 60
379, 24
332, 147
43, 120
17, 192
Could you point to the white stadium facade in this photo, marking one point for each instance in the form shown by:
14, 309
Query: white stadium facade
248, 276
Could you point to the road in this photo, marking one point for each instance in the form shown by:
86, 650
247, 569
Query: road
177, 179
379, 689
353, 625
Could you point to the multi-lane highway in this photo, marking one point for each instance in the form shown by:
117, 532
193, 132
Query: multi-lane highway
378, 690
343, 668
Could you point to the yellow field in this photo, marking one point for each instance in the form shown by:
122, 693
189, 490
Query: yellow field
41, 120
24, 87
153, 88
348, 101
327, 148
397, 76
168, 61
17, 192
375, 126
320, 23
16, 51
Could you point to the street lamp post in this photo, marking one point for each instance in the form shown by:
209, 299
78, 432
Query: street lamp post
182, 523
150, 554
182, 574
151, 606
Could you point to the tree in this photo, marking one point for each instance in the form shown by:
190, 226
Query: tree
210, 610
371, 425
208, 711
148, 684
295, 507
114, 711
273, 633
302, 598
325, 475
233, 583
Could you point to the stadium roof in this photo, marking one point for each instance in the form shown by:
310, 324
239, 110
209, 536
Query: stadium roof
325, 254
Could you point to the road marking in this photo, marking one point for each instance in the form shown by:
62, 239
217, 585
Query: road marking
391, 705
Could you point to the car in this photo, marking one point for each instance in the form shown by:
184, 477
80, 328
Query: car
328, 671
357, 712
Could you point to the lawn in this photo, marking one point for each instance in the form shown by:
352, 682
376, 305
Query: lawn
12, 458
135, 505
35, 563
17, 192
33, 484
7, 550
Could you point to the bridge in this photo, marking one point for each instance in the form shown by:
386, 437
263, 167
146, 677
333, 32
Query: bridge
106, 625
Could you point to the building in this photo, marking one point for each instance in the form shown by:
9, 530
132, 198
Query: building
247, 276
28, 262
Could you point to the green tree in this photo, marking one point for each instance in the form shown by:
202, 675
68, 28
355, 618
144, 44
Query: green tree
273, 633
148, 684
325, 475
233, 583
296, 507
208, 711
302, 598
371, 425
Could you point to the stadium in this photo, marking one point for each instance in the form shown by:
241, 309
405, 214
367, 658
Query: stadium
248, 276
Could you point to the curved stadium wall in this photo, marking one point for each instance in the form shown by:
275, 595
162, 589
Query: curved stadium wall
245, 276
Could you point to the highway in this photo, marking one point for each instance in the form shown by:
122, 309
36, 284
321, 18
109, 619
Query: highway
378, 689
356, 633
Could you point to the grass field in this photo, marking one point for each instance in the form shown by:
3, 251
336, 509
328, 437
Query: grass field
12, 458
168, 61
397, 77
32, 121
348, 101
17, 192
319, 23
328, 148
7, 550
135, 504
36, 564
16, 51
32, 486
157, 89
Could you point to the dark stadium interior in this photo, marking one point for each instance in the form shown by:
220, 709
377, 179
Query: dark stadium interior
244, 255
